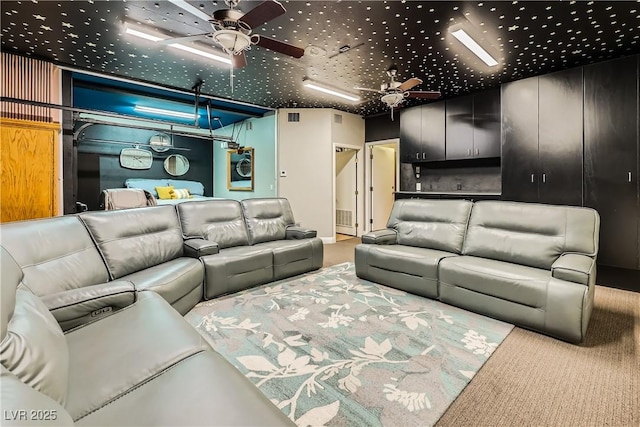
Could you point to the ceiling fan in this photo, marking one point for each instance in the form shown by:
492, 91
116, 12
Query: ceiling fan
232, 29
394, 92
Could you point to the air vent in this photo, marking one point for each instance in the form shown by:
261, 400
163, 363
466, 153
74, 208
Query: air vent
344, 218
337, 118
293, 117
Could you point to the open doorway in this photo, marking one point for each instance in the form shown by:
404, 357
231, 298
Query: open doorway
382, 180
348, 204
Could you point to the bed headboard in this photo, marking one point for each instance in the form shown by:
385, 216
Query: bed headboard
194, 187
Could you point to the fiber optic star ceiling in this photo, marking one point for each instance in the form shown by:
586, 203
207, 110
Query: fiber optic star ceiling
529, 38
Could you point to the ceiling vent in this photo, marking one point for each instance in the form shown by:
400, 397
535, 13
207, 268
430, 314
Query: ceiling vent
293, 117
337, 118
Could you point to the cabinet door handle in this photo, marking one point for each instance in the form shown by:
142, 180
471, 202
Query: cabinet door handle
418, 156
532, 178
424, 156
630, 177
544, 178
469, 152
477, 151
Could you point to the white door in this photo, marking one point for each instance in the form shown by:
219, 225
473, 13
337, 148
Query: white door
383, 184
346, 186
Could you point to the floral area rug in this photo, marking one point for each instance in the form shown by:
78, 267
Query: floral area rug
331, 349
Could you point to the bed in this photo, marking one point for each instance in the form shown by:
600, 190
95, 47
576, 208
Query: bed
196, 189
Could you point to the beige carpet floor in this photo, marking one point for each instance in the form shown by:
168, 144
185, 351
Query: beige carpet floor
535, 380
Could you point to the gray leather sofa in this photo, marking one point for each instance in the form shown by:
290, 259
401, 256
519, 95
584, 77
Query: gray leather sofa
529, 264
257, 241
143, 365
88, 328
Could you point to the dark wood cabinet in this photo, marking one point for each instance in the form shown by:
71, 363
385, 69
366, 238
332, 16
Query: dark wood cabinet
520, 140
422, 133
560, 139
459, 128
611, 157
411, 135
543, 139
473, 126
486, 124
433, 132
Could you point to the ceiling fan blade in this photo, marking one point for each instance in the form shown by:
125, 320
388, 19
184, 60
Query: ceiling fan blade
369, 90
263, 13
239, 60
423, 94
183, 39
284, 48
412, 82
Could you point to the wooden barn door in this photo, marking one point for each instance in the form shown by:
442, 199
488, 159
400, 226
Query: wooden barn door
28, 169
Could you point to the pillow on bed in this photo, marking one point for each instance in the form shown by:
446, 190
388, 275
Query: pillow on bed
181, 193
165, 193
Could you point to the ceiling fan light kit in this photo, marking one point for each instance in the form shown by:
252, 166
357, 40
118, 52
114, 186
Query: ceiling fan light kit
320, 87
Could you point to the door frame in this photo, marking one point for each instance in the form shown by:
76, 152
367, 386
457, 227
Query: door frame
359, 188
368, 170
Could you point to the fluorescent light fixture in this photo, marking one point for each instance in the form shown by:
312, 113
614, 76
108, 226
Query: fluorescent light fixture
329, 90
191, 9
152, 110
156, 37
474, 47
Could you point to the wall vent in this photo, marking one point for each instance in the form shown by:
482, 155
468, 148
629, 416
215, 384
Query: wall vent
249, 125
344, 218
293, 117
337, 118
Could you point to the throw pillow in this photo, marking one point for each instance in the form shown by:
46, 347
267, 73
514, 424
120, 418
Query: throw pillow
164, 193
181, 193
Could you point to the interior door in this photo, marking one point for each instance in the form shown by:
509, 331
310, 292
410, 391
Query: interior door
383, 184
346, 187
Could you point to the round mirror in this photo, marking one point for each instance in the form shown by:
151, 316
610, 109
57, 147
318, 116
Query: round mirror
160, 142
176, 165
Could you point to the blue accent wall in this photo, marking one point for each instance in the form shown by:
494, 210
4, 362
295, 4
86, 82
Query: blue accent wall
262, 138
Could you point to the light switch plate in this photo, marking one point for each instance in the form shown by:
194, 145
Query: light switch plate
418, 186
283, 173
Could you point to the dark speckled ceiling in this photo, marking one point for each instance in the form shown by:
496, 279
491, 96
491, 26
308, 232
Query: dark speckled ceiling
529, 37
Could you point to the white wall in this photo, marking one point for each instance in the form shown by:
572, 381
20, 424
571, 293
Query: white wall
306, 152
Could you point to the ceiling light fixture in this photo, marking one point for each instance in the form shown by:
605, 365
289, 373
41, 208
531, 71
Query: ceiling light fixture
329, 90
156, 37
152, 110
464, 38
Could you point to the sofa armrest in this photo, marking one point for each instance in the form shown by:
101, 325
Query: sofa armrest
296, 233
195, 248
76, 307
575, 268
385, 236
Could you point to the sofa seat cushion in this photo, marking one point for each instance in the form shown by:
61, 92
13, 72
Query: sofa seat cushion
203, 390
172, 280
292, 257
511, 282
237, 268
111, 356
409, 268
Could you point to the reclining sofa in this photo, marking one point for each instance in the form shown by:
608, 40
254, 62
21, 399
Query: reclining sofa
529, 264
91, 312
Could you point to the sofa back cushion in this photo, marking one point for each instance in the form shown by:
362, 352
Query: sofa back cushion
433, 224
194, 187
267, 219
33, 347
220, 221
530, 234
55, 254
131, 240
